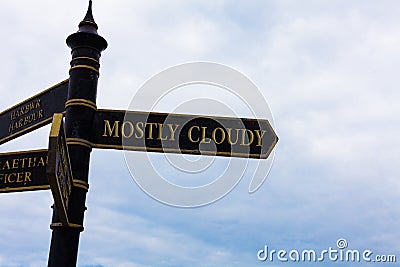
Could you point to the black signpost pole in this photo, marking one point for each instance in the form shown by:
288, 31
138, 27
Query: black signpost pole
86, 46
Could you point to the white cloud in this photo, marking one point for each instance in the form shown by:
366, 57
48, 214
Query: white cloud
128, 237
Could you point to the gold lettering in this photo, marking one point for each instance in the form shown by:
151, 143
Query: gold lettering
29, 107
107, 128
9, 178
160, 127
123, 129
190, 134
12, 127
20, 175
15, 164
172, 130
250, 137
41, 162
151, 129
229, 139
203, 136
140, 130
16, 177
27, 177
6, 165
30, 163
259, 136
36, 105
26, 119
214, 133
23, 162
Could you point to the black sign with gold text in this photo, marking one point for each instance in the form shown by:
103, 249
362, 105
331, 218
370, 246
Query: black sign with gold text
179, 133
59, 168
33, 113
23, 171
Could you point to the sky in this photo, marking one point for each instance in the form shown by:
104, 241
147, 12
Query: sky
328, 70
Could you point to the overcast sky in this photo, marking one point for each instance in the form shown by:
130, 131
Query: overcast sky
329, 70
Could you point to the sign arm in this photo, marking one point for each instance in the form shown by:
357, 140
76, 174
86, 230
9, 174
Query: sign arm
33, 112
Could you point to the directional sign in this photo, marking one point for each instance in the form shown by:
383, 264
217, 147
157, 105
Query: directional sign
178, 133
33, 113
59, 168
23, 171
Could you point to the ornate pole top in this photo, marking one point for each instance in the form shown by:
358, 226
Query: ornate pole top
88, 24
87, 34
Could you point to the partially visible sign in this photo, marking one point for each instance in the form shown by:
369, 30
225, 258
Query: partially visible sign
23, 171
33, 113
59, 168
180, 133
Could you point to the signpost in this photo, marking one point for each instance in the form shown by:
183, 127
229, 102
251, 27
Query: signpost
33, 113
23, 171
182, 133
64, 167
59, 168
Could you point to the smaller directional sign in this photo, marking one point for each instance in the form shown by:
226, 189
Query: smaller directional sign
23, 171
182, 133
33, 113
59, 168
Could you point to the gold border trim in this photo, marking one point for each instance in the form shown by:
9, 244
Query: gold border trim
84, 67
28, 129
36, 125
70, 225
24, 188
260, 121
88, 58
273, 145
184, 151
79, 142
35, 96
74, 225
88, 22
23, 152
80, 184
56, 124
81, 102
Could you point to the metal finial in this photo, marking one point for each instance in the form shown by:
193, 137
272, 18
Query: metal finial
87, 33
88, 24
